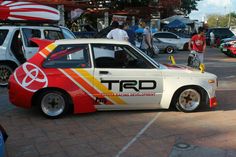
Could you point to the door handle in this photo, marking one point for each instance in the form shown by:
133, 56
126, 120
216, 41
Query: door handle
104, 72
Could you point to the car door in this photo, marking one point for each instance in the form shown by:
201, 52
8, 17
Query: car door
125, 78
16, 47
29, 47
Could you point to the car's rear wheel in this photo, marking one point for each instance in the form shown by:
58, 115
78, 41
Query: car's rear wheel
169, 50
5, 73
188, 99
185, 48
53, 103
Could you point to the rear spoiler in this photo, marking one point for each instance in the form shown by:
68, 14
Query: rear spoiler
42, 43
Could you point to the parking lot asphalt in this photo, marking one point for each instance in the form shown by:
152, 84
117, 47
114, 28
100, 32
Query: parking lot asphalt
153, 133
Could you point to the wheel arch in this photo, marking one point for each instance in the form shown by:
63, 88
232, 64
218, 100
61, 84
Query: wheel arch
203, 91
37, 94
10, 63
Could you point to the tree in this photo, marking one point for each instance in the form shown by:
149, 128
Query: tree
188, 5
216, 20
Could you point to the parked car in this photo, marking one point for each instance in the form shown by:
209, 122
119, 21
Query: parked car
16, 47
224, 47
100, 74
169, 37
229, 50
3, 138
164, 47
220, 33
233, 38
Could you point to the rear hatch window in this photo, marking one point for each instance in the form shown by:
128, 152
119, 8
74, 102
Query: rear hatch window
3, 34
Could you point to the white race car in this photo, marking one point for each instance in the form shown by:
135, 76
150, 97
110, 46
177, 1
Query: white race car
101, 74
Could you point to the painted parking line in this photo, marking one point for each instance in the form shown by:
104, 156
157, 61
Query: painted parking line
138, 135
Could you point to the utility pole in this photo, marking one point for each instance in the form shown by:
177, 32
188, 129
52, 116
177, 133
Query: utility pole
229, 20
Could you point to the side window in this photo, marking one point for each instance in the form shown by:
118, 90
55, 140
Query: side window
118, 56
169, 35
69, 56
53, 35
158, 35
67, 34
3, 34
30, 33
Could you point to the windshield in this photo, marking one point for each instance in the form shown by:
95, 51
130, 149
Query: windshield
3, 34
146, 56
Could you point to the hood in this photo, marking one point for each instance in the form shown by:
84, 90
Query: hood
182, 70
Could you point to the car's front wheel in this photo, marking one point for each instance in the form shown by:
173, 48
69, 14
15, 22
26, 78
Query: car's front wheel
53, 103
185, 48
170, 50
188, 99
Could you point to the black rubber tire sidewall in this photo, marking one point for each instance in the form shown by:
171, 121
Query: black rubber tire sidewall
12, 70
178, 107
169, 47
65, 97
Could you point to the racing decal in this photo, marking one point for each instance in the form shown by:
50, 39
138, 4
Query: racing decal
132, 84
86, 81
82, 84
109, 94
171, 66
47, 50
30, 77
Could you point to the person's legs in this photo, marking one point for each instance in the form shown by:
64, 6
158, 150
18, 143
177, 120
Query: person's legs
201, 57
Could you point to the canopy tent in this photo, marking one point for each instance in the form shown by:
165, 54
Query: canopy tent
183, 19
176, 24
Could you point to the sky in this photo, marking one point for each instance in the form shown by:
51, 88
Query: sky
206, 7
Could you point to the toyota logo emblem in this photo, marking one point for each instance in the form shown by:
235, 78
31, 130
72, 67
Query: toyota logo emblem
31, 77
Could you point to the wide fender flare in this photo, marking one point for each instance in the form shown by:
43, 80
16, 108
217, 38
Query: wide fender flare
171, 85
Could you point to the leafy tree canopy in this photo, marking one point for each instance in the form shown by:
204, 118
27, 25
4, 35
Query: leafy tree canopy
216, 20
188, 5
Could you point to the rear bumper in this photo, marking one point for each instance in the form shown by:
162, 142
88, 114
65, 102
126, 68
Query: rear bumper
213, 102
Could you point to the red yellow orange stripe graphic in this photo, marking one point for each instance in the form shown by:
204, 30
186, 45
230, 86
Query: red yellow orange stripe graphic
100, 86
82, 83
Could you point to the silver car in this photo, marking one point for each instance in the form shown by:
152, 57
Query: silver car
164, 46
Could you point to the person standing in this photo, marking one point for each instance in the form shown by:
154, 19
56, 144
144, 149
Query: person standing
146, 43
198, 44
116, 33
212, 37
130, 33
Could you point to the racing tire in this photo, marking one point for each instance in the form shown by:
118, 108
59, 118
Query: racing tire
189, 99
169, 50
53, 103
5, 73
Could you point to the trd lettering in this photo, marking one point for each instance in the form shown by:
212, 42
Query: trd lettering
131, 84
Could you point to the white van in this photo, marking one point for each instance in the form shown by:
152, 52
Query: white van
16, 46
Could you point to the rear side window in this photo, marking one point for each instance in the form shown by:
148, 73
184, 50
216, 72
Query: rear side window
68, 34
53, 35
30, 33
3, 34
69, 56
